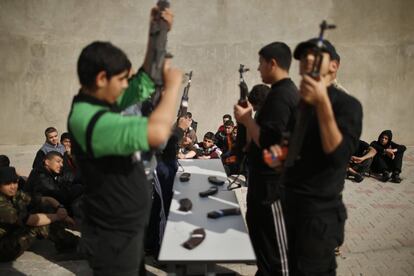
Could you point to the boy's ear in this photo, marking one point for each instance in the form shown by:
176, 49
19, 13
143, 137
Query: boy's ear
101, 80
333, 66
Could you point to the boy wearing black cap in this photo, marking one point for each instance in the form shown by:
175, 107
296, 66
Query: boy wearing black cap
20, 225
315, 212
264, 211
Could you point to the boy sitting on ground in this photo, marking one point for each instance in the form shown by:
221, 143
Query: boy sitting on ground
360, 162
21, 222
207, 149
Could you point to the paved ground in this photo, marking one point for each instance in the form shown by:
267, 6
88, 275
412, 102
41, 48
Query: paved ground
379, 231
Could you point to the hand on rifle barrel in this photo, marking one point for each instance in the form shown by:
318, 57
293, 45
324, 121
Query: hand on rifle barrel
243, 114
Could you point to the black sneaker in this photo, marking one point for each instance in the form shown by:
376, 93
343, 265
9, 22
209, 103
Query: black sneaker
396, 178
385, 176
358, 178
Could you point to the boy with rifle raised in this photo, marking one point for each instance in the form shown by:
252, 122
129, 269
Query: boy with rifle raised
117, 193
314, 175
264, 211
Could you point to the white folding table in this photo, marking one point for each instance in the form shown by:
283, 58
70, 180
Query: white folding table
226, 241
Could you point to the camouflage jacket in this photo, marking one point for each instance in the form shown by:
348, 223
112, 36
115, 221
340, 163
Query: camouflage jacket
14, 212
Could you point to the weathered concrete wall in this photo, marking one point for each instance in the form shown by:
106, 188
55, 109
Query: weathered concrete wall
40, 42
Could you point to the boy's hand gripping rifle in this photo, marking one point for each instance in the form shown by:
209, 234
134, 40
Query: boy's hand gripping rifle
157, 53
184, 99
244, 91
304, 109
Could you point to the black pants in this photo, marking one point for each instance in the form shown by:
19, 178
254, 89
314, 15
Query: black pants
268, 236
362, 167
113, 252
383, 163
312, 241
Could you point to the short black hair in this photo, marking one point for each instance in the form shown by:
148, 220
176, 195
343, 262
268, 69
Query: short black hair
52, 154
210, 135
227, 116
258, 94
50, 130
4, 161
228, 123
278, 51
65, 135
101, 56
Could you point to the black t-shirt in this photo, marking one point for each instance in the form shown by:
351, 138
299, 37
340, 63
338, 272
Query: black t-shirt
361, 149
316, 180
276, 116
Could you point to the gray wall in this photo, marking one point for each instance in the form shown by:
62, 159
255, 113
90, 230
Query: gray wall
40, 42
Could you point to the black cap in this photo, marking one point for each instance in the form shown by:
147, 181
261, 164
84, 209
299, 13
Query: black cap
8, 175
312, 43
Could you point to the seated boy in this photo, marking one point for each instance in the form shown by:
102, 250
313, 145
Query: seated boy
51, 144
51, 180
360, 162
21, 222
388, 158
207, 149
186, 150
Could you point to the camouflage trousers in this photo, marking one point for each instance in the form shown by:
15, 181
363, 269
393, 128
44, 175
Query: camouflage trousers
13, 244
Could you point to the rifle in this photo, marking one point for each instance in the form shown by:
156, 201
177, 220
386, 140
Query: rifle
241, 138
157, 53
184, 99
305, 111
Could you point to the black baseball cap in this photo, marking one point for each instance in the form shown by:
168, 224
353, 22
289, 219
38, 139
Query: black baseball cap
313, 43
8, 175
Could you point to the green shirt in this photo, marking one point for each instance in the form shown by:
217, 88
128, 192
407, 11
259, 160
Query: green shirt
113, 133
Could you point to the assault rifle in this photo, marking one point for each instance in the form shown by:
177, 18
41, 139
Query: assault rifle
241, 138
305, 110
157, 53
184, 99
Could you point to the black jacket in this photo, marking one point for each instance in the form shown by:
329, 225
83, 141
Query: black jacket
315, 182
276, 116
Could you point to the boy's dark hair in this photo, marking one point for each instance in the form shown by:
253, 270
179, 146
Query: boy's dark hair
189, 115
210, 135
50, 130
258, 94
227, 116
4, 161
52, 154
278, 51
64, 136
100, 56
228, 123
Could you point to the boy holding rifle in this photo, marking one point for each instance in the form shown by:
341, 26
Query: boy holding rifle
314, 180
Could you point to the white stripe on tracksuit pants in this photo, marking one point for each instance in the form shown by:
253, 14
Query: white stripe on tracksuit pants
268, 235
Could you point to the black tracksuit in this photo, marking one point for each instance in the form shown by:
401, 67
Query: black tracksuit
315, 213
264, 213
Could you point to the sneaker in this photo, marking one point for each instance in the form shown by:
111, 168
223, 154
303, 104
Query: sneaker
358, 178
396, 178
385, 176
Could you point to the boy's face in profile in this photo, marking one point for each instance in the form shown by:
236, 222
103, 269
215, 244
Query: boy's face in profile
265, 68
115, 86
55, 164
207, 143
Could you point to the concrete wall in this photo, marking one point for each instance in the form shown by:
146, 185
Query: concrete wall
40, 42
